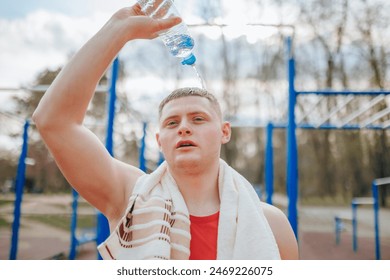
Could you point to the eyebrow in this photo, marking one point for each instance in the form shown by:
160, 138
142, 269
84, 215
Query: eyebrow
188, 114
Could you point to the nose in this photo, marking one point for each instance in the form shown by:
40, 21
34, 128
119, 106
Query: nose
184, 130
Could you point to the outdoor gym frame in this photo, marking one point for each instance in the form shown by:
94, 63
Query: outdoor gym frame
292, 148
292, 186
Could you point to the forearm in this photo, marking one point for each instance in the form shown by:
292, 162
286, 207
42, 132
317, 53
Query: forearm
66, 101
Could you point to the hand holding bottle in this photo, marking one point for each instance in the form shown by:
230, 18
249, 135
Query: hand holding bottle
132, 23
177, 39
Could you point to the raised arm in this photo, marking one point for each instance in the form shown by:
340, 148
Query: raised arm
102, 180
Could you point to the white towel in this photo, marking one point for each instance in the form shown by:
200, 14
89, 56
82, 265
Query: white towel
157, 225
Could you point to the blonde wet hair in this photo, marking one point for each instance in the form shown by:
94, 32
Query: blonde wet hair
191, 91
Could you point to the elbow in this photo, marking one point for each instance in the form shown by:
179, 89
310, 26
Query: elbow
49, 121
37, 118
42, 121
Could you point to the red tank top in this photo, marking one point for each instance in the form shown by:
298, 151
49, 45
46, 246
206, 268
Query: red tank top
204, 233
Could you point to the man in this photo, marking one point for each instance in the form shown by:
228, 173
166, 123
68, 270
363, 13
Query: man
194, 206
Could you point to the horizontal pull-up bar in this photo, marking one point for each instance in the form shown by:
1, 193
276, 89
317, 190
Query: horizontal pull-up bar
345, 92
327, 126
43, 88
247, 24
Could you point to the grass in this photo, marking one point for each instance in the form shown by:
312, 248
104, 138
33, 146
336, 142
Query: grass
63, 221
4, 223
4, 202
58, 221
324, 201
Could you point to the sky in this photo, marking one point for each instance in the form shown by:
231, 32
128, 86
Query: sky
38, 34
43, 34
12, 9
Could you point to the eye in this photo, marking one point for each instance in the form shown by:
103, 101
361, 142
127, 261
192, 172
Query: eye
198, 119
171, 123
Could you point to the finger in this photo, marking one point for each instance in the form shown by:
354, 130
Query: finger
137, 9
163, 24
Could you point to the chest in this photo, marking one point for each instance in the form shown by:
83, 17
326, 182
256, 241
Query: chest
204, 235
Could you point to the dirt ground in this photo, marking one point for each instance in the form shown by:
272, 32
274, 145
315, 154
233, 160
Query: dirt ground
317, 241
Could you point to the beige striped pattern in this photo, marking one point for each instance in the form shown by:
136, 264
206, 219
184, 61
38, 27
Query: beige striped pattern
152, 227
156, 224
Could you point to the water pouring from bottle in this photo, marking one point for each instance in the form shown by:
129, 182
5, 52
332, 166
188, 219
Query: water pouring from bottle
177, 39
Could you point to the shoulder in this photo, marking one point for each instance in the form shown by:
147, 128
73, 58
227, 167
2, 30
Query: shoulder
281, 228
127, 176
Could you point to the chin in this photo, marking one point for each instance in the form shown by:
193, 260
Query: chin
190, 163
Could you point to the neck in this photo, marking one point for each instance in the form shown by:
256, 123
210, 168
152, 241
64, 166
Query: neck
199, 189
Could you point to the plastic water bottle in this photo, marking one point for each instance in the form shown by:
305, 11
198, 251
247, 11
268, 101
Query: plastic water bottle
177, 39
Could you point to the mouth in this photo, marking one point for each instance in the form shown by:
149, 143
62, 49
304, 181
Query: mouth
185, 144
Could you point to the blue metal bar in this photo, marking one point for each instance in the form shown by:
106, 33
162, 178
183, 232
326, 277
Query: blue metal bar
344, 127
328, 126
292, 154
375, 196
19, 186
142, 160
111, 107
344, 92
103, 230
73, 226
354, 226
338, 228
269, 165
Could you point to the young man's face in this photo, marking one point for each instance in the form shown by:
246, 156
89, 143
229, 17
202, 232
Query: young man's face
191, 132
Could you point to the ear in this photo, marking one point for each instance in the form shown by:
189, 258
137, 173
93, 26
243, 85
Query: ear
226, 132
158, 140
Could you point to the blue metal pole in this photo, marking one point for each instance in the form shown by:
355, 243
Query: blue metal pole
160, 158
73, 226
142, 160
375, 196
354, 226
111, 107
19, 186
338, 228
292, 153
103, 230
269, 165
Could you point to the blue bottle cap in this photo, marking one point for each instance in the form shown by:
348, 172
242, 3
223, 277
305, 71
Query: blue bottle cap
189, 60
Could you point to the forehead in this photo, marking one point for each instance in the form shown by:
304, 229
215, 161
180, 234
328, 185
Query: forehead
188, 104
